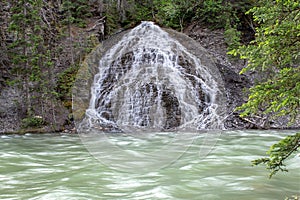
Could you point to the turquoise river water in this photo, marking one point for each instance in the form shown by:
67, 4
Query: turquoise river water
59, 166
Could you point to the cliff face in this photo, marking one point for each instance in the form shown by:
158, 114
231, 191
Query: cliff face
13, 114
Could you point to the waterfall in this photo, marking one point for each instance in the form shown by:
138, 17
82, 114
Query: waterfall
150, 81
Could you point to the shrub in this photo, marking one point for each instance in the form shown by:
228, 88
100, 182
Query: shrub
35, 121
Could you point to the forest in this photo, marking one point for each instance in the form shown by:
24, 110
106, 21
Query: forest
43, 43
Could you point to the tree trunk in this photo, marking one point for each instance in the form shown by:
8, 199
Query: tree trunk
27, 70
121, 9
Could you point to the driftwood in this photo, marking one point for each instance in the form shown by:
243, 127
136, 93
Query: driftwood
259, 122
99, 28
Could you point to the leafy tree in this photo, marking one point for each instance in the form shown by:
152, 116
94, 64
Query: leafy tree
278, 153
218, 13
213, 13
174, 13
275, 54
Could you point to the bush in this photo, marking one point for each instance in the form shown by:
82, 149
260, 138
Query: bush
232, 37
65, 82
35, 121
213, 13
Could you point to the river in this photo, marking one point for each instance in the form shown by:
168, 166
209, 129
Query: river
59, 166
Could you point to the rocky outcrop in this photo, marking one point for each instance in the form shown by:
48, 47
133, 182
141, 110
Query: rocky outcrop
218, 64
235, 85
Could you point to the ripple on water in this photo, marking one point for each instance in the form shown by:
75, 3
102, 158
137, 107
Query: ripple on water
53, 167
158, 192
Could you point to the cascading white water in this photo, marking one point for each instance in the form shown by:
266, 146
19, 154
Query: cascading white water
149, 81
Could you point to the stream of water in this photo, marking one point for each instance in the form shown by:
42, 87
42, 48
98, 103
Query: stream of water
58, 166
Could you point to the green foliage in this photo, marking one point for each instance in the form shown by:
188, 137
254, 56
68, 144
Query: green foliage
76, 11
172, 13
25, 52
65, 82
142, 11
32, 122
277, 38
275, 55
279, 96
33, 25
169, 13
111, 20
232, 36
175, 14
223, 14
212, 12
278, 154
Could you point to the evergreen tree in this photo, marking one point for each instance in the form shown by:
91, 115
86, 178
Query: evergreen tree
33, 25
4, 41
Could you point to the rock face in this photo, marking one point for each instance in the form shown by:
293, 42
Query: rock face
235, 84
151, 79
10, 110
